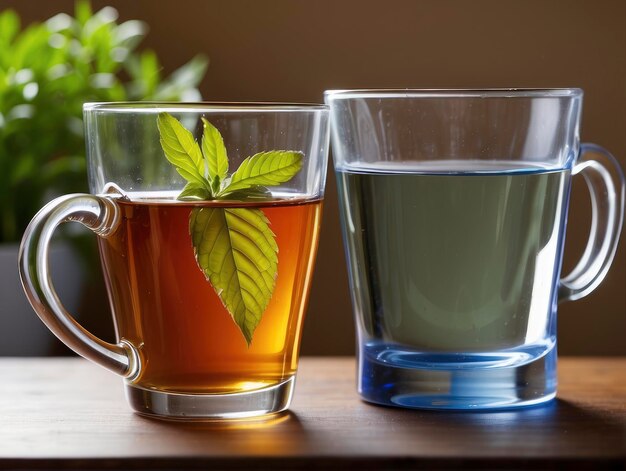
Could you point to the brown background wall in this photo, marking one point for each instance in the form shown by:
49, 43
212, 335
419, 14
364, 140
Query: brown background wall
291, 50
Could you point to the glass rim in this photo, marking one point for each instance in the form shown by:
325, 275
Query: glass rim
201, 106
381, 93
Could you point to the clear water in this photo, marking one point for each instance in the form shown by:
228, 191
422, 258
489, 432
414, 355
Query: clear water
453, 276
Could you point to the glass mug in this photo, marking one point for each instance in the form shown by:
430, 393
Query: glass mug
208, 292
453, 207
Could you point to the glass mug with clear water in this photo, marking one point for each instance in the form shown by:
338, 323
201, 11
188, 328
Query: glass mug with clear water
208, 280
453, 207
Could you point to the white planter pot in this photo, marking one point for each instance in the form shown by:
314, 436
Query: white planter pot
21, 331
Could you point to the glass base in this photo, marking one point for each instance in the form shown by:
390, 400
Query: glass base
457, 382
175, 406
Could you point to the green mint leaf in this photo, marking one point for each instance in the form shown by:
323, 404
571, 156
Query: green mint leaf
265, 168
216, 185
181, 149
234, 247
214, 153
238, 254
255, 192
194, 192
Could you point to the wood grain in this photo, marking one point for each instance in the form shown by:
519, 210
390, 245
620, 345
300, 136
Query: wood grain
68, 413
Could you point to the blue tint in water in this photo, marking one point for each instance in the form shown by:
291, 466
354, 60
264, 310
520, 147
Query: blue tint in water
391, 375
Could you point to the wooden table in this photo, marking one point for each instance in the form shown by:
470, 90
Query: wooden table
67, 413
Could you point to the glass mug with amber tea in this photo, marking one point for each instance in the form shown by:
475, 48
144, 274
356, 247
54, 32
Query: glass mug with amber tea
454, 205
207, 218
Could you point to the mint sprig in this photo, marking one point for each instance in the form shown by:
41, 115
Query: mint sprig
215, 154
234, 247
264, 168
181, 150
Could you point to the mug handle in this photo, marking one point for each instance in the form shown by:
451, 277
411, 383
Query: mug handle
102, 216
605, 181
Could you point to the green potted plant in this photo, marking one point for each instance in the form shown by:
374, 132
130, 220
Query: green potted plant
47, 71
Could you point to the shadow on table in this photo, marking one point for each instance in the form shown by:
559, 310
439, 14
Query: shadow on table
558, 411
547, 428
266, 436
560, 432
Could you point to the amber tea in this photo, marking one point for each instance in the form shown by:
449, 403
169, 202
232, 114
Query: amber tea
163, 304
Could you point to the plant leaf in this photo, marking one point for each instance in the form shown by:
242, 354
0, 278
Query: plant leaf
255, 192
194, 192
181, 149
237, 252
9, 26
83, 11
214, 152
183, 80
265, 168
130, 33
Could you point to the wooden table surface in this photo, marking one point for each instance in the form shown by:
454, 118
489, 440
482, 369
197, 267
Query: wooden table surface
68, 413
